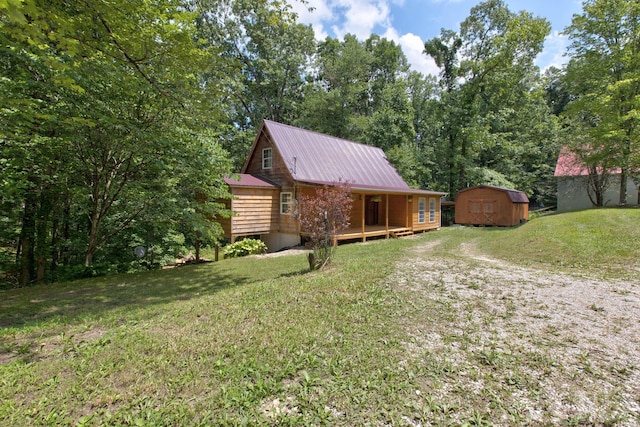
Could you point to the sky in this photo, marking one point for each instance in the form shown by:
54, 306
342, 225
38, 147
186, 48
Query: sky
410, 23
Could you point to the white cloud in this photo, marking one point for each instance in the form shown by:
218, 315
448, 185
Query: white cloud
361, 17
413, 48
555, 45
314, 13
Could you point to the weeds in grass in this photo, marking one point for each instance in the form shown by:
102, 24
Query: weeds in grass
390, 335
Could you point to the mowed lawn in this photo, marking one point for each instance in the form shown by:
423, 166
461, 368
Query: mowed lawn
261, 341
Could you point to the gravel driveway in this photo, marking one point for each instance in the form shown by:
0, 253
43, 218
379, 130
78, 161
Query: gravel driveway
508, 345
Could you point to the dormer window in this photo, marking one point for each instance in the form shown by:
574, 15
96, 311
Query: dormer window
267, 158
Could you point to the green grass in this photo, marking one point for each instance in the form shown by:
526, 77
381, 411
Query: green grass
220, 343
260, 341
605, 240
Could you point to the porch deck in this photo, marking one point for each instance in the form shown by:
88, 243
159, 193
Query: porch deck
373, 231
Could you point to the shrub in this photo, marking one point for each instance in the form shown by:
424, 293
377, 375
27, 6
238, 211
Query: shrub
322, 216
245, 247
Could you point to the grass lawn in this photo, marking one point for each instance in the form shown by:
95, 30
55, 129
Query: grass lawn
260, 341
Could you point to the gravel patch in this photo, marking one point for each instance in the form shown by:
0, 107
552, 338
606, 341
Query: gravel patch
521, 346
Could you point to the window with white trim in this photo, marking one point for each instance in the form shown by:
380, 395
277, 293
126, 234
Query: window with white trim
267, 158
286, 203
432, 209
422, 210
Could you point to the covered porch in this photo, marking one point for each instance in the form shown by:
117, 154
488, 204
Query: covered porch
391, 214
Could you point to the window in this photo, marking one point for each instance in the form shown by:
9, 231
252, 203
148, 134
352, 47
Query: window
432, 209
285, 203
266, 158
422, 210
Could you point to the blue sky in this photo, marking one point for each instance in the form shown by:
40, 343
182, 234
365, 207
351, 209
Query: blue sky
411, 22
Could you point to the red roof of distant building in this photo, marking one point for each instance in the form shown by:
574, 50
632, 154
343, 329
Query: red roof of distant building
569, 164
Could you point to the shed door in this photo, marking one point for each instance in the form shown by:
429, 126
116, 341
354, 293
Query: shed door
489, 211
475, 211
482, 211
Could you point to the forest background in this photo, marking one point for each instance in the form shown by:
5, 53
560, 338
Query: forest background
119, 120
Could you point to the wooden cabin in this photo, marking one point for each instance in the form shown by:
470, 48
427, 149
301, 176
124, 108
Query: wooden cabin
286, 162
488, 205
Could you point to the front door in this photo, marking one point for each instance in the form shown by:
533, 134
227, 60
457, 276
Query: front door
372, 212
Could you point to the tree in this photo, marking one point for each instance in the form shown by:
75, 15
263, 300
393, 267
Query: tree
487, 70
98, 96
604, 75
322, 217
268, 55
355, 80
331, 103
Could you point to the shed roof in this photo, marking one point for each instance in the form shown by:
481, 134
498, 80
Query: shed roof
247, 180
317, 158
515, 196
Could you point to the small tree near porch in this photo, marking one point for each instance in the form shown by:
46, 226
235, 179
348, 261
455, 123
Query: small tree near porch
322, 216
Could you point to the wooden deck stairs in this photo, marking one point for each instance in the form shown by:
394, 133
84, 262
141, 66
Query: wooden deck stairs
401, 232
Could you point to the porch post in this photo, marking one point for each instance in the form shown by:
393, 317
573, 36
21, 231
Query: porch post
364, 198
386, 214
406, 209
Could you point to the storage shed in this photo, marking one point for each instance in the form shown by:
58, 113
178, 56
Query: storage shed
488, 205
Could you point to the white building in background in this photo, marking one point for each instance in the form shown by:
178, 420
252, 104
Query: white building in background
572, 180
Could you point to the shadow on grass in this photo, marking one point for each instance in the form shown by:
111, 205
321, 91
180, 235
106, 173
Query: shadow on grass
301, 272
94, 297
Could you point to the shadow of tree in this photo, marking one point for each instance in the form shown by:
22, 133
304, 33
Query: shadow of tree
95, 297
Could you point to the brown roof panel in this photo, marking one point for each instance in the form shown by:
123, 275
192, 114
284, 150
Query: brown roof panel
317, 158
247, 180
515, 196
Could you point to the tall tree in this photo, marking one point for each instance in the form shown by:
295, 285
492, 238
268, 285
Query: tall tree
97, 95
486, 70
268, 54
604, 74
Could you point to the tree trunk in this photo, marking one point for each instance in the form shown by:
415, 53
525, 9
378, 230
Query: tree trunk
41, 249
623, 186
197, 244
27, 235
92, 243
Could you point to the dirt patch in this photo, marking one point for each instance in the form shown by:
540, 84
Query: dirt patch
38, 347
551, 347
300, 250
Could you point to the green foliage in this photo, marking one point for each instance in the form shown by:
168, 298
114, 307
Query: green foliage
490, 115
322, 216
245, 247
487, 176
106, 134
603, 78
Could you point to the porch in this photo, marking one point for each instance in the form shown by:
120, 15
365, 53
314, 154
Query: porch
368, 231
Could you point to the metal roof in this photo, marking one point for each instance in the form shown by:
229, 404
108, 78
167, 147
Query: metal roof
247, 180
322, 159
569, 164
515, 196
